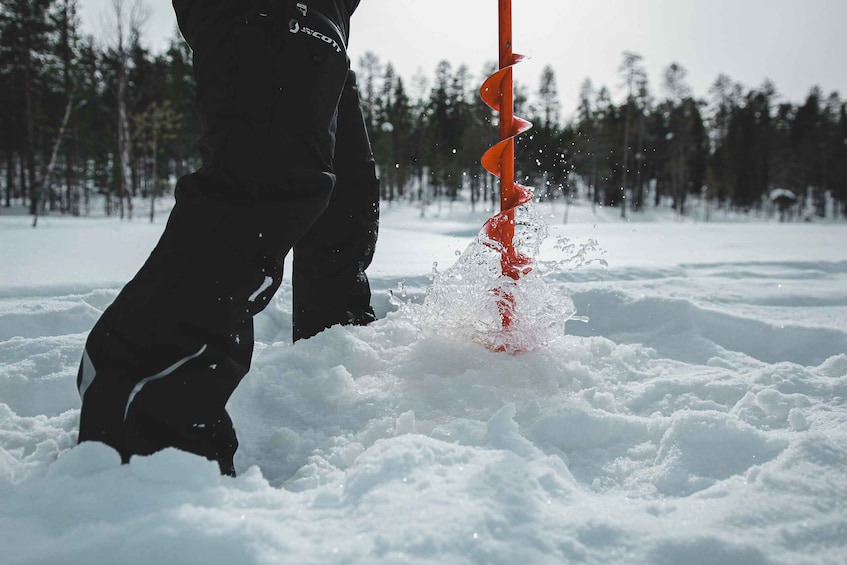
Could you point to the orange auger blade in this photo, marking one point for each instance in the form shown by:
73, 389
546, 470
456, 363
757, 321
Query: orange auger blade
499, 160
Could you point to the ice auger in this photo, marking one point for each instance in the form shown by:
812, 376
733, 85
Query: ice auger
499, 160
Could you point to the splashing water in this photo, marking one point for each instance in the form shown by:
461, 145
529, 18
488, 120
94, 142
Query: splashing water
464, 301
574, 255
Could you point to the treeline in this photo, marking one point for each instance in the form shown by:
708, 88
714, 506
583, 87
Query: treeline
81, 118
738, 149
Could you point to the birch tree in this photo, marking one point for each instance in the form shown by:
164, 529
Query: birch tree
123, 26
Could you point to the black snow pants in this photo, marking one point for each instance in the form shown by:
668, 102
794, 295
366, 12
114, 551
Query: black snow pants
286, 165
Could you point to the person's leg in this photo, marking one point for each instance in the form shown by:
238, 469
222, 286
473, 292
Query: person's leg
164, 358
330, 284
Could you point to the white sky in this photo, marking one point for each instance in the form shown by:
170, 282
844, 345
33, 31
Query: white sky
795, 43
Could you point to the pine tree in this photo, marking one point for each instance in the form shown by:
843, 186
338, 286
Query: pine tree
67, 23
679, 118
391, 142
840, 151
179, 92
807, 141
724, 99
24, 41
642, 103
586, 144
94, 130
441, 132
369, 72
608, 131
634, 75
548, 174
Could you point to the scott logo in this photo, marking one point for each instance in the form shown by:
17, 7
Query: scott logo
295, 27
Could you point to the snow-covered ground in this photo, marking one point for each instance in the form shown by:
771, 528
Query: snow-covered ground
698, 416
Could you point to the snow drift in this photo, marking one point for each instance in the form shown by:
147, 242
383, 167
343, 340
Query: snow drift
697, 416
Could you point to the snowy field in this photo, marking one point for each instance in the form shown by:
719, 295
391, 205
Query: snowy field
699, 416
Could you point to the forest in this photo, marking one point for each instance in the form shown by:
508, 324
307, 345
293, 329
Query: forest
101, 124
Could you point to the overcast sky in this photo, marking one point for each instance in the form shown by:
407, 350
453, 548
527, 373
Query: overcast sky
795, 43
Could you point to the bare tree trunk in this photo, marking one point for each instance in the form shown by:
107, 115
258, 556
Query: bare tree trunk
29, 147
23, 178
639, 182
127, 27
595, 197
10, 178
123, 133
625, 170
38, 194
155, 188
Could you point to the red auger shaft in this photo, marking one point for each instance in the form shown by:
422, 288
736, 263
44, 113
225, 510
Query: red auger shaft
507, 114
497, 92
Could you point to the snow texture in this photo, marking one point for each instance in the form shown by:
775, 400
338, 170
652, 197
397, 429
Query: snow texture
698, 416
